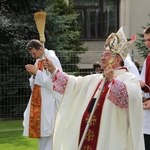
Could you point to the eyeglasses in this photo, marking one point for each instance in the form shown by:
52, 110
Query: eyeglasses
30, 47
32, 50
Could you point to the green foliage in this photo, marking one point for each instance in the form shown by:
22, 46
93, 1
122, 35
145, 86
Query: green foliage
61, 8
17, 27
70, 33
142, 48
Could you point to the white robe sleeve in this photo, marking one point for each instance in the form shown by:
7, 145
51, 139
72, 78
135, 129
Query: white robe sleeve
31, 82
45, 81
131, 66
142, 77
51, 55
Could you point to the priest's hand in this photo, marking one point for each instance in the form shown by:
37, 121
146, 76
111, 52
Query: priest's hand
48, 64
32, 69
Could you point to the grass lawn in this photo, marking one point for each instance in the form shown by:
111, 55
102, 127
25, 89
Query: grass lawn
11, 137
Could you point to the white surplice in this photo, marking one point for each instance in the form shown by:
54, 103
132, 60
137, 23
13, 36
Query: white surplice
50, 100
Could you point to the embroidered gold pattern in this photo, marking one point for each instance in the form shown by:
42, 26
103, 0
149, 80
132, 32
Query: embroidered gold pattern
90, 135
35, 110
93, 121
87, 147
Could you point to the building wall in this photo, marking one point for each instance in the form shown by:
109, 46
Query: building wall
133, 16
95, 49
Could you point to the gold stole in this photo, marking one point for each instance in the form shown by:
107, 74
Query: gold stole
90, 141
35, 110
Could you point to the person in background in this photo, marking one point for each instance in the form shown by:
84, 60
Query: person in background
40, 113
116, 123
96, 68
137, 65
145, 84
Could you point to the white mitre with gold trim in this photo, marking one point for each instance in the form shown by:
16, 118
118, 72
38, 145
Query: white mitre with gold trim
118, 43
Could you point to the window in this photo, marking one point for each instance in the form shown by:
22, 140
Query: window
97, 18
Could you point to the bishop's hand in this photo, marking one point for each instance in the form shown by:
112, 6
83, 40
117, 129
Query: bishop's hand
109, 73
48, 64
